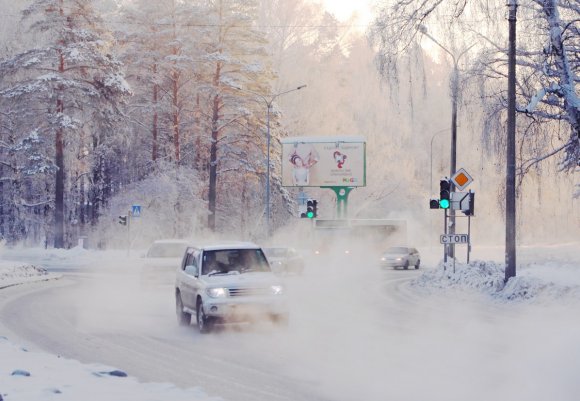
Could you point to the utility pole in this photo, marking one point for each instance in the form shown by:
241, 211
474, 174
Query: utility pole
510, 209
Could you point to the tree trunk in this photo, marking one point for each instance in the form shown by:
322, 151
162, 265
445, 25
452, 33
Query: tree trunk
213, 151
213, 164
176, 117
155, 128
59, 161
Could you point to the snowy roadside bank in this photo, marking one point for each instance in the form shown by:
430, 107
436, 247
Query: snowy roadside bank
32, 376
14, 273
26, 375
535, 282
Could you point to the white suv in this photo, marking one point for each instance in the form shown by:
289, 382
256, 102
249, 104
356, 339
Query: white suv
227, 282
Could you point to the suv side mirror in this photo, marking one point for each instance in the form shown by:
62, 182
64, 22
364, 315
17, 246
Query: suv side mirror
192, 270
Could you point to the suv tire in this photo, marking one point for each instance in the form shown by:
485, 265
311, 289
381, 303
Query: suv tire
183, 318
418, 264
204, 323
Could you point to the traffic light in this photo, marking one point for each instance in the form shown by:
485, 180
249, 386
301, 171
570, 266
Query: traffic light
444, 193
123, 220
433, 203
311, 208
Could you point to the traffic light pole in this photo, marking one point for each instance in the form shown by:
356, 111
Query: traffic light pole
445, 245
129, 232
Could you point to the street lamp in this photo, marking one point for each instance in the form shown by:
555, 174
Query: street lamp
268, 101
454, 100
454, 95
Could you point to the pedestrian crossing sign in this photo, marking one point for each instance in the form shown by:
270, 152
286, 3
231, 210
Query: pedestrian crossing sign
136, 210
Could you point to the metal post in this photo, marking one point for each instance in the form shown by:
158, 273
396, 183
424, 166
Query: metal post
510, 244
445, 245
269, 104
129, 213
468, 236
454, 95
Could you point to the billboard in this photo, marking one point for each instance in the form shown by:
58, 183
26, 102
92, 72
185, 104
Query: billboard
338, 161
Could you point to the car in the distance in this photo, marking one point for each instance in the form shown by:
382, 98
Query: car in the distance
401, 256
228, 282
285, 260
161, 260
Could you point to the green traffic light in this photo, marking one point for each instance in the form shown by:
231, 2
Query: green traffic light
310, 215
444, 203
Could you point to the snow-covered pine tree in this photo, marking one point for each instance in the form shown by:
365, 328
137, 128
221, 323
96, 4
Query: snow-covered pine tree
161, 52
237, 62
74, 83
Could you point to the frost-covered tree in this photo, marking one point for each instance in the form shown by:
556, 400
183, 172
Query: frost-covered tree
23, 169
547, 57
74, 84
235, 60
159, 194
548, 82
162, 55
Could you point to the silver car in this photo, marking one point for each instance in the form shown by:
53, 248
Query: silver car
401, 256
161, 260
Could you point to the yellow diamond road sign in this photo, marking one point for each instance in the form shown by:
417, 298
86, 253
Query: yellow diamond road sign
461, 179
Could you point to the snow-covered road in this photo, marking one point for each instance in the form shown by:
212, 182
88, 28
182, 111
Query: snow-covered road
357, 333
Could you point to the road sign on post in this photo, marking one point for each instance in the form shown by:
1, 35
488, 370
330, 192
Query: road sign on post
461, 179
461, 200
136, 211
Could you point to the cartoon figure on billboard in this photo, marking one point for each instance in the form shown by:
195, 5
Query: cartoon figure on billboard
303, 157
339, 158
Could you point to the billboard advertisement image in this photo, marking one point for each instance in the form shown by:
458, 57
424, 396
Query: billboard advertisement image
323, 161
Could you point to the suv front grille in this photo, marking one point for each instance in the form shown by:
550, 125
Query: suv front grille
246, 292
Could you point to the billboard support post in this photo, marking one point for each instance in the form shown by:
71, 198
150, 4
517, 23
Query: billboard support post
341, 200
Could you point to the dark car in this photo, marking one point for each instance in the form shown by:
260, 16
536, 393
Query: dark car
285, 260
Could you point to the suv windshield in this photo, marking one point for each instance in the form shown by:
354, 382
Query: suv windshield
234, 261
167, 250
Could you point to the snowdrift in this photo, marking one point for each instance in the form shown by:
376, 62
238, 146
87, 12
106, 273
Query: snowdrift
534, 282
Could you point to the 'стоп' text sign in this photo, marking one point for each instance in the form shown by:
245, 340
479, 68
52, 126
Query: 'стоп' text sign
454, 239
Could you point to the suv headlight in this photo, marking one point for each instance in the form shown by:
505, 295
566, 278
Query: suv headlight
217, 292
277, 289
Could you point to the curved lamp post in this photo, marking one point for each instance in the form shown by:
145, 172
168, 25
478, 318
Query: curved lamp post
454, 100
268, 101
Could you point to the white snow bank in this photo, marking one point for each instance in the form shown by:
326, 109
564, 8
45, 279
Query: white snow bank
66, 259
34, 376
534, 282
12, 273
